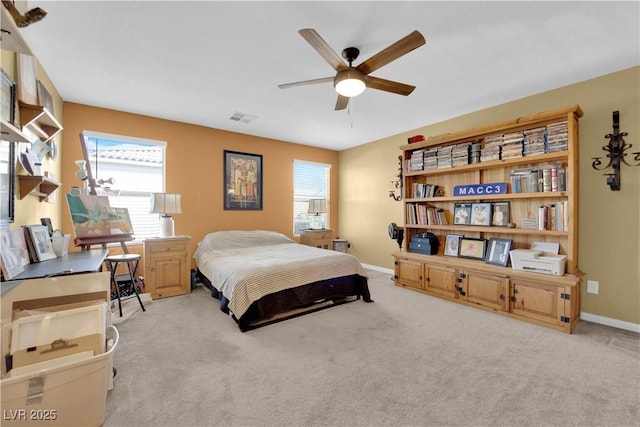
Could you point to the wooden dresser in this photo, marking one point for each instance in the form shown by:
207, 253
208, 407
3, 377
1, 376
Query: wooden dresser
166, 266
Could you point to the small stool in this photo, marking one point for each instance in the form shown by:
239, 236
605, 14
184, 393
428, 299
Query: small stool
132, 261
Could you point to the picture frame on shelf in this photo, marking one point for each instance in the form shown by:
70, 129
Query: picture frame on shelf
500, 212
481, 214
9, 253
242, 181
44, 97
472, 248
452, 243
462, 214
8, 107
27, 87
498, 251
41, 240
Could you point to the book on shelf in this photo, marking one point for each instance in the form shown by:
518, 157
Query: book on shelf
421, 191
553, 217
418, 214
544, 178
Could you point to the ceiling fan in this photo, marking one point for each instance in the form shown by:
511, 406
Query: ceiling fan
351, 81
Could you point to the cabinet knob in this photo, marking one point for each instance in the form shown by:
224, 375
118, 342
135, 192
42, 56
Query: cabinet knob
502, 297
513, 299
152, 269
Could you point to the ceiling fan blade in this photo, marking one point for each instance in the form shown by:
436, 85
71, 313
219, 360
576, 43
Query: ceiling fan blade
306, 82
323, 49
393, 52
389, 86
342, 102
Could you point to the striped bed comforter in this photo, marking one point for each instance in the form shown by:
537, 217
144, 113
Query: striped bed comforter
247, 273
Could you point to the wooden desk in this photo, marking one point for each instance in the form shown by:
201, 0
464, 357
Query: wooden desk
74, 263
40, 286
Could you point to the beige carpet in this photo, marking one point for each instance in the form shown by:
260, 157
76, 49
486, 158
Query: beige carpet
406, 360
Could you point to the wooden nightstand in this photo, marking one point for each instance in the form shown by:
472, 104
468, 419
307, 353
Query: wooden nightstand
166, 266
318, 238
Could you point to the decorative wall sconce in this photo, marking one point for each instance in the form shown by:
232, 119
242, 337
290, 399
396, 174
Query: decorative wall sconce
397, 183
616, 154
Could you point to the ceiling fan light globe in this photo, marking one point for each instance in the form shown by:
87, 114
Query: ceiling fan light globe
349, 83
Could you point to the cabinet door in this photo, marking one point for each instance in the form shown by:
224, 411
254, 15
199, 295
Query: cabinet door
440, 280
542, 302
484, 289
168, 275
409, 273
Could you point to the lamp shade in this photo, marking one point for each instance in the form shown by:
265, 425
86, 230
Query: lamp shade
317, 206
165, 203
349, 82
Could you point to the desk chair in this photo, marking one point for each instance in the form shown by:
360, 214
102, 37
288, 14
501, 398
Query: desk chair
132, 261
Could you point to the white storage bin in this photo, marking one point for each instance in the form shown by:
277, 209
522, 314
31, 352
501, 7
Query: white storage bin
73, 394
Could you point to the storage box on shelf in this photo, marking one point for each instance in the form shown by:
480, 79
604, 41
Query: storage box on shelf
435, 167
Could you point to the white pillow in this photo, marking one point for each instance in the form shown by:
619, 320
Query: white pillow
241, 239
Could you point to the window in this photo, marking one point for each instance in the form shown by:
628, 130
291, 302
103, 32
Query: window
310, 181
136, 168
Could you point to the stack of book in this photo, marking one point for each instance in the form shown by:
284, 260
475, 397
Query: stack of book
444, 157
512, 145
460, 154
557, 137
474, 154
416, 163
431, 159
491, 149
534, 141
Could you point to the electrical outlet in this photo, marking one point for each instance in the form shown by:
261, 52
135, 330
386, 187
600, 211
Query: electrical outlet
592, 287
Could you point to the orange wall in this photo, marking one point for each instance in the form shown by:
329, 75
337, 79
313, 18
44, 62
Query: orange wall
194, 168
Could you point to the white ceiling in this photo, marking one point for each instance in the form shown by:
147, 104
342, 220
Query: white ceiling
201, 62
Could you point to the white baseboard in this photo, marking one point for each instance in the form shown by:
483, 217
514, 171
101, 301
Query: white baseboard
608, 321
380, 269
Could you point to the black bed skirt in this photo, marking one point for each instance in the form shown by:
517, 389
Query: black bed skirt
331, 292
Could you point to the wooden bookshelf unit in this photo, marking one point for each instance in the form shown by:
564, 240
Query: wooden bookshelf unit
544, 299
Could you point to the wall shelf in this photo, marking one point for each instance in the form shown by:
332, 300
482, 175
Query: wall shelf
36, 185
11, 133
11, 38
39, 121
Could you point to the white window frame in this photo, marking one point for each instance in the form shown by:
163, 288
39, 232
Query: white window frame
145, 194
303, 197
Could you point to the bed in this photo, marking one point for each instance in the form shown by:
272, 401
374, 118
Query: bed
262, 276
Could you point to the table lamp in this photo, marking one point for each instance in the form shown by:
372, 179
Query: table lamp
317, 207
165, 204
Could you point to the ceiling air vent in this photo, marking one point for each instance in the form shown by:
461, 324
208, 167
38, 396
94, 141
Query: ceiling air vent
243, 117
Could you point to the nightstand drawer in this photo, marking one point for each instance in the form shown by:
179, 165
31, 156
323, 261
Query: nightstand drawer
164, 247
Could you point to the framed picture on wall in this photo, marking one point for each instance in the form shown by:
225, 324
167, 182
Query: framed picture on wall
242, 181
